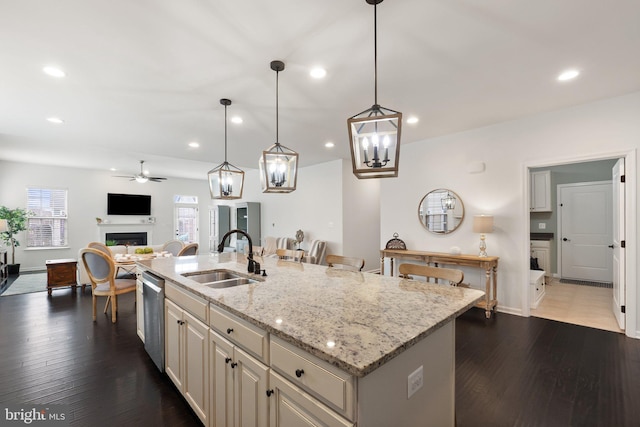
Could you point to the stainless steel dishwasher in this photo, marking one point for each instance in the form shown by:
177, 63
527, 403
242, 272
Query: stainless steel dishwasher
153, 297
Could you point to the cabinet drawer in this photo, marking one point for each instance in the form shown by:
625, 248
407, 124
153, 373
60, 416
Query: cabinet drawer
192, 303
292, 406
331, 385
249, 337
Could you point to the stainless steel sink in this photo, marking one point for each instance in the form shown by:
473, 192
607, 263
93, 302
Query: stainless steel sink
228, 283
219, 278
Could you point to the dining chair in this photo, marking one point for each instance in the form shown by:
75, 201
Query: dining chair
295, 255
257, 250
316, 252
173, 247
454, 276
348, 263
101, 271
190, 249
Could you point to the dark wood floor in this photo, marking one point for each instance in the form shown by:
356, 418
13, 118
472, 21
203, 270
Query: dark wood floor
517, 371
510, 371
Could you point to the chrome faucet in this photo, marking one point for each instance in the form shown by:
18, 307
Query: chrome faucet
252, 265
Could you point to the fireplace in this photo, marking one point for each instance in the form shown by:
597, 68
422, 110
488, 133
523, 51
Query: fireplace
128, 239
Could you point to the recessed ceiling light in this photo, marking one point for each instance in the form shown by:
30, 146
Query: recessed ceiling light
113, 169
412, 120
55, 120
236, 119
318, 73
329, 144
568, 75
54, 72
194, 144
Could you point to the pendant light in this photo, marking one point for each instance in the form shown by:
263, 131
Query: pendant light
226, 181
448, 202
374, 134
278, 164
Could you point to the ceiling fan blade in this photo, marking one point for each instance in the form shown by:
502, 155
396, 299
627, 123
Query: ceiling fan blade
156, 179
121, 176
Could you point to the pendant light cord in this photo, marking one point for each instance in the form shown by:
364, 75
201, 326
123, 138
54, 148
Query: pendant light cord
277, 118
225, 134
375, 52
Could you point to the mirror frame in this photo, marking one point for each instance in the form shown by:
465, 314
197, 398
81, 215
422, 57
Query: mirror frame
460, 204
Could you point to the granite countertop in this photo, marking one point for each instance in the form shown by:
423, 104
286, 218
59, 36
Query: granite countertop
355, 321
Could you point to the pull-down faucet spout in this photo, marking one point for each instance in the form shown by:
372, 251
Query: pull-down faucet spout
252, 266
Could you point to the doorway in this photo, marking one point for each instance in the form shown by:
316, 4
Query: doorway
579, 170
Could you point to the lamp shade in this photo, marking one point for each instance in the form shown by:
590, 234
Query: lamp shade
3, 225
226, 182
375, 142
278, 169
483, 224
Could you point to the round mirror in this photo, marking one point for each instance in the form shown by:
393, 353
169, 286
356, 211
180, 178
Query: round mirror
441, 211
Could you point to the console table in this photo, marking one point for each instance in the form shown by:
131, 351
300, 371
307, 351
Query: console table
489, 264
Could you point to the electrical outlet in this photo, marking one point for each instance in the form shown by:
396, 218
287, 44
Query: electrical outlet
415, 381
542, 226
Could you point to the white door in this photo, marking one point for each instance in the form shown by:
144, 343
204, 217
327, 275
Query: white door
619, 287
186, 223
585, 231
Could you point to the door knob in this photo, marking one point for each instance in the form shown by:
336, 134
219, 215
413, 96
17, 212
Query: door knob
564, 239
611, 246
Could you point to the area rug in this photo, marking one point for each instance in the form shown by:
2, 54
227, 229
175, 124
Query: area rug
27, 283
588, 283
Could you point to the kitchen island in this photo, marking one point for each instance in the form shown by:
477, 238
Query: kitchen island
328, 346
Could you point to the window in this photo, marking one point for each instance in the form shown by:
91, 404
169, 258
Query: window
47, 225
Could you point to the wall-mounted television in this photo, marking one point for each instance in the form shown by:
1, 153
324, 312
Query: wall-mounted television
128, 204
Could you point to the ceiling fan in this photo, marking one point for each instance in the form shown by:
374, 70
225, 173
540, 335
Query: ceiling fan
141, 177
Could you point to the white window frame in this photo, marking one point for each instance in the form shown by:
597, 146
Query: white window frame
50, 213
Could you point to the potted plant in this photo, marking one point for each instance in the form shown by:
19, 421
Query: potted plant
16, 222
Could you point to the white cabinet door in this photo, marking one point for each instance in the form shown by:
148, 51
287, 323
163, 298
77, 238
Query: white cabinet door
196, 365
543, 255
221, 381
540, 191
173, 346
239, 384
251, 381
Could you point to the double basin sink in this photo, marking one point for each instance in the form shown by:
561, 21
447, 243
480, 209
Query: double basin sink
219, 279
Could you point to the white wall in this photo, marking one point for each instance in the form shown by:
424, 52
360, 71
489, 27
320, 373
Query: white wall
361, 217
315, 207
87, 196
587, 131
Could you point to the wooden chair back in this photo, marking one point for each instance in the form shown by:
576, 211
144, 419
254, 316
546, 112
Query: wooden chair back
454, 276
190, 249
99, 266
290, 254
101, 271
257, 250
101, 247
344, 261
173, 247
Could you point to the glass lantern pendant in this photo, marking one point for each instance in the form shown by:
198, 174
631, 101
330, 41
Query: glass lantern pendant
374, 134
225, 180
278, 164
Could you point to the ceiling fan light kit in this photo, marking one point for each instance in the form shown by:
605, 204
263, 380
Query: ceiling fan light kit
225, 180
278, 164
142, 177
374, 134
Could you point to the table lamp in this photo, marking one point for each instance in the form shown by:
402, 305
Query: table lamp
483, 224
